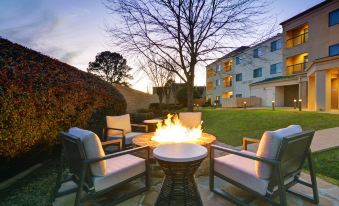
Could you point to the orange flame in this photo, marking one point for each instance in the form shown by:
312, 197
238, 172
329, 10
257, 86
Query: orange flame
172, 131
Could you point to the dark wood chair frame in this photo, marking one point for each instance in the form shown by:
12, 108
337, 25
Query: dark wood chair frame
278, 172
123, 138
80, 174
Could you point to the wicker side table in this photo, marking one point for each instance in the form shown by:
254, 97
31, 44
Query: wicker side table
179, 162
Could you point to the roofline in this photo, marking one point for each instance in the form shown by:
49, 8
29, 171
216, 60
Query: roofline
278, 80
307, 11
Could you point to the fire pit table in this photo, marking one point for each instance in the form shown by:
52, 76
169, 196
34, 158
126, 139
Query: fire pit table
179, 162
146, 140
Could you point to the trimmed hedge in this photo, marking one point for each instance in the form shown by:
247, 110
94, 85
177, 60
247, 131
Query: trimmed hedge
41, 96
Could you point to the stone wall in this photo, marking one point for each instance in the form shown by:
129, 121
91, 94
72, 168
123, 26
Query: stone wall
136, 99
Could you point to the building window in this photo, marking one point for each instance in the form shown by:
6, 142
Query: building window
209, 85
209, 72
218, 68
238, 77
275, 45
276, 68
334, 50
237, 60
218, 82
258, 52
257, 73
238, 95
333, 18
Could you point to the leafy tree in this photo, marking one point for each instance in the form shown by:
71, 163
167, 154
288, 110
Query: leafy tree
111, 67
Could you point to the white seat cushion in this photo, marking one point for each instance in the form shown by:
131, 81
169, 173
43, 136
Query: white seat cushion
190, 119
241, 170
129, 136
118, 170
269, 146
93, 149
120, 122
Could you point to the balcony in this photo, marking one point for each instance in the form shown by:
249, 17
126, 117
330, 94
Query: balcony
296, 68
210, 72
228, 81
296, 64
209, 85
296, 40
228, 66
297, 36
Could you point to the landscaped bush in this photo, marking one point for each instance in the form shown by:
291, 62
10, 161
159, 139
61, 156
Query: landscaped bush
41, 96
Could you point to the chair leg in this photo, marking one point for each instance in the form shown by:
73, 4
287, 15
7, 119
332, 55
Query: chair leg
59, 175
281, 188
211, 181
313, 179
81, 184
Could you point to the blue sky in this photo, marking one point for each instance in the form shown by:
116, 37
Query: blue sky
73, 31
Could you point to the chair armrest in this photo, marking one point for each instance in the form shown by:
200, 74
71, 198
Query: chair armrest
246, 140
89, 161
242, 154
141, 125
114, 141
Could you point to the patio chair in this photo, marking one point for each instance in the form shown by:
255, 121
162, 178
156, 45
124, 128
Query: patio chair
96, 173
273, 170
190, 119
120, 127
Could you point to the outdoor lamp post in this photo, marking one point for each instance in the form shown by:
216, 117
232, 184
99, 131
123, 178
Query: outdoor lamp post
300, 100
273, 105
245, 105
295, 103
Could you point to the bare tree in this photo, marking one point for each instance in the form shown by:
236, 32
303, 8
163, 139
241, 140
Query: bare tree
159, 76
185, 32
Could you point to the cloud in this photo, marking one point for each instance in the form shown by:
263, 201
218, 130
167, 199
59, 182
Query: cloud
69, 57
28, 33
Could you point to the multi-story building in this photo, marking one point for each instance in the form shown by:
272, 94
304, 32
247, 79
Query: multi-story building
310, 62
232, 75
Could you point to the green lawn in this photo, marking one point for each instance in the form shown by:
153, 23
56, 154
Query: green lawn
229, 126
326, 165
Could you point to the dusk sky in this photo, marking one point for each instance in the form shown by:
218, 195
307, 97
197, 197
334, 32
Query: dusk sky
73, 31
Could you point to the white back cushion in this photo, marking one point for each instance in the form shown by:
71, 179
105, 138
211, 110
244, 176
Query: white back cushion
190, 119
120, 122
93, 149
269, 146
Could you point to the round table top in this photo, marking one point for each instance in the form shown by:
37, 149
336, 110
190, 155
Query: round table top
152, 120
180, 152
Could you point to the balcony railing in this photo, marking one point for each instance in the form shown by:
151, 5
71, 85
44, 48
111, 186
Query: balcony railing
228, 68
296, 68
296, 40
228, 84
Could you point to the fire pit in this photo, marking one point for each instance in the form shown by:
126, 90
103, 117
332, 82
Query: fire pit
173, 131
